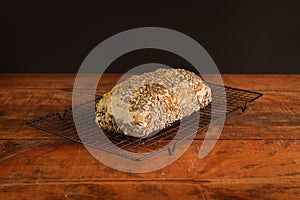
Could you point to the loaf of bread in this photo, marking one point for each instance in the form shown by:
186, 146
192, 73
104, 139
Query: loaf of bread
151, 101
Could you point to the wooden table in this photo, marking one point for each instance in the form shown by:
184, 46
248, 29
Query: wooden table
257, 156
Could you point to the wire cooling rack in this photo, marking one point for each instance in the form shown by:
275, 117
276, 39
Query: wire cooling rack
62, 124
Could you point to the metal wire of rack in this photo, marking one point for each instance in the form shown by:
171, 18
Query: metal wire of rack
63, 125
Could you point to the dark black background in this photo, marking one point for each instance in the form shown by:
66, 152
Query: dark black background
241, 36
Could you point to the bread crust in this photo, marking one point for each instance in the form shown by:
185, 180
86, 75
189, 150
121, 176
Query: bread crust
151, 101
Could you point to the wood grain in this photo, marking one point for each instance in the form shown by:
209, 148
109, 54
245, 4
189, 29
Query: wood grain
257, 156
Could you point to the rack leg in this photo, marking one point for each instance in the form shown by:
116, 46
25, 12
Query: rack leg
245, 107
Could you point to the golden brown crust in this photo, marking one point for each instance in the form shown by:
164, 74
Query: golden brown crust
149, 102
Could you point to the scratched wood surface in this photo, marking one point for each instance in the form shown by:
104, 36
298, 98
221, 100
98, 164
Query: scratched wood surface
257, 156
